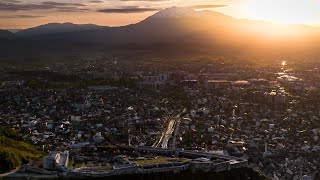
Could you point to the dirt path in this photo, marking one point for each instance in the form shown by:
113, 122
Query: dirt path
9, 173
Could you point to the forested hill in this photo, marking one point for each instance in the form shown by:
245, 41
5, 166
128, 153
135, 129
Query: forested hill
13, 151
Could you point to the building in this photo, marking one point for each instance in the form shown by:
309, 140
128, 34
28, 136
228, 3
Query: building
154, 82
276, 96
156, 85
241, 84
217, 76
56, 161
215, 84
286, 79
102, 88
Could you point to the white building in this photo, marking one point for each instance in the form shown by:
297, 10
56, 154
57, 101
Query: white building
54, 161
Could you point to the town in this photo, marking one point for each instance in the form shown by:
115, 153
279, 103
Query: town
102, 116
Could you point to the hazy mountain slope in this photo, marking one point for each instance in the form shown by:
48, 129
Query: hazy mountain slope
55, 28
172, 25
175, 29
185, 25
4, 34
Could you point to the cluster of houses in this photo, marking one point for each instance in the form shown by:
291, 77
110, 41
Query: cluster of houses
270, 118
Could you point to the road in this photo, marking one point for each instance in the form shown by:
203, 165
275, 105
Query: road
167, 134
164, 135
175, 133
9, 173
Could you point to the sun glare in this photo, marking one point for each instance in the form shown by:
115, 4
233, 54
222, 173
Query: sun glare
286, 11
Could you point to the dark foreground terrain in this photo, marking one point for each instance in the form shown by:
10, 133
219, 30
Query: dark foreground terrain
238, 174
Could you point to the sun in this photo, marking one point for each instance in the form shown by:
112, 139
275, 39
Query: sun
285, 11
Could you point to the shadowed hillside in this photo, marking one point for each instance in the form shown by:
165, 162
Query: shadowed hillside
14, 152
171, 31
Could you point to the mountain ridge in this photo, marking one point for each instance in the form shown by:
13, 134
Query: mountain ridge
6, 35
54, 28
173, 29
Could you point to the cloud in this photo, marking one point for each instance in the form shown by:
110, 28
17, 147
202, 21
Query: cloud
146, 0
128, 9
73, 9
11, 1
208, 6
138, 9
21, 16
14, 5
58, 4
96, 1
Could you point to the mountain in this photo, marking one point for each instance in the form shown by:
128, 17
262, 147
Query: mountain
185, 30
172, 25
55, 28
173, 30
14, 30
6, 35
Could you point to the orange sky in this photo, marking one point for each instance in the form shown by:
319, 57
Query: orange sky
18, 14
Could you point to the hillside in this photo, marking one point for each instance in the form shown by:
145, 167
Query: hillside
14, 152
56, 28
171, 31
5, 35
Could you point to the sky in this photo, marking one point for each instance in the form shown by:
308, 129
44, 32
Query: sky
20, 14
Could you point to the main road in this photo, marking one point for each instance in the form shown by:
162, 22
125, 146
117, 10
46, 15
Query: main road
168, 132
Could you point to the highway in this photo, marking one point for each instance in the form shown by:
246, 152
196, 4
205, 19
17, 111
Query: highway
168, 133
173, 124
